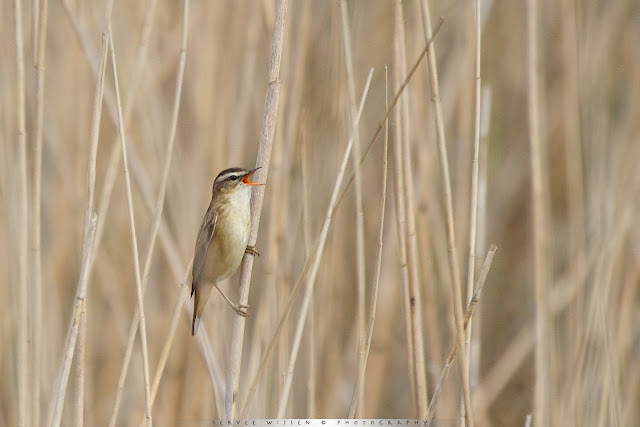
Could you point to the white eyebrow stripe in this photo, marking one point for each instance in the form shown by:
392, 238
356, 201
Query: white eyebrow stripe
228, 175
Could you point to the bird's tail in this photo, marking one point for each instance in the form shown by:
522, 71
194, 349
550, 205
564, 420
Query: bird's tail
194, 324
196, 316
200, 296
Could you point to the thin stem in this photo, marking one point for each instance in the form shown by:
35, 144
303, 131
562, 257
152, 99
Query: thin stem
141, 55
164, 354
481, 235
134, 239
80, 366
36, 256
72, 336
360, 255
415, 301
276, 334
540, 241
91, 183
454, 267
166, 240
157, 219
401, 223
296, 288
454, 349
141, 179
561, 296
89, 235
360, 383
306, 236
473, 203
393, 103
183, 292
23, 228
316, 259
265, 145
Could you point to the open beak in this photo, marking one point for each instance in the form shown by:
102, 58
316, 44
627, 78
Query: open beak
245, 179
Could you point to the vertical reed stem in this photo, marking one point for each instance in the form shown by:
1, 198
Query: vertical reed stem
541, 272
265, 145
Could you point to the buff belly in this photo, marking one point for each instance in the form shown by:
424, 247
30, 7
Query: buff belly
226, 249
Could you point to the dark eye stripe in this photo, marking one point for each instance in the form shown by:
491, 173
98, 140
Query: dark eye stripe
229, 175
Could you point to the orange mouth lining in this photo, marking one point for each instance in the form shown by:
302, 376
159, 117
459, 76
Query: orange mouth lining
245, 179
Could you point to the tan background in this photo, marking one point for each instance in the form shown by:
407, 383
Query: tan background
590, 93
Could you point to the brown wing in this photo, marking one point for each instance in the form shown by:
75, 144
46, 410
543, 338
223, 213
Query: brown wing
202, 245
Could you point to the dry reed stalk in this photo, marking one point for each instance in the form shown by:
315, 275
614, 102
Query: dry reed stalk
454, 349
172, 257
215, 373
90, 220
401, 221
36, 256
242, 112
141, 179
134, 239
454, 268
600, 362
91, 183
360, 380
574, 170
393, 103
609, 411
158, 209
560, 297
279, 214
112, 169
306, 237
454, 81
131, 91
265, 145
23, 227
35, 9
316, 259
296, 92
72, 336
267, 353
275, 279
481, 240
475, 172
430, 232
572, 138
505, 368
399, 92
168, 342
80, 366
274, 338
166, 348
361, 310
415, 300
623, 338
539, 201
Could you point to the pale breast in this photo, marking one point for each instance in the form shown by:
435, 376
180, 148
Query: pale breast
229, 241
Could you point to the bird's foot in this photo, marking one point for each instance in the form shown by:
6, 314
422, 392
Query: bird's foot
251, 250
242, 310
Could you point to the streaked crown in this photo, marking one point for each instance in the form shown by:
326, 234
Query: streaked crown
231, 174
230, 178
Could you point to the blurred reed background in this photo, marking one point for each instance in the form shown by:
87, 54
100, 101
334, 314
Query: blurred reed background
589, 110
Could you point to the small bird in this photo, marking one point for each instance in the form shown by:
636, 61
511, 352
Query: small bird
222, 239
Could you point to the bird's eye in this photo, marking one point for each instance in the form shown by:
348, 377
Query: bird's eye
233, 177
